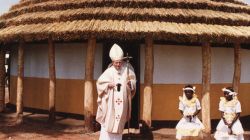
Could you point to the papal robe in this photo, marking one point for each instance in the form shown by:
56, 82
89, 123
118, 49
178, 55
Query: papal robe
114, 107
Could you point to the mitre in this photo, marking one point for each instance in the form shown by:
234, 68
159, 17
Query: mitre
116, 53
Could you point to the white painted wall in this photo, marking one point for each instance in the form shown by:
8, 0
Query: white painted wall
98, 61
175, 64
245, 66
172, 64
36, 61
69, 58
13, 60
222, 68
183, 64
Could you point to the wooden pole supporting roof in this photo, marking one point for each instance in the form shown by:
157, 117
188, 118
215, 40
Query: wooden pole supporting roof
2, 78
19, 102
237, 67
148, 82
206, 80
52, 80
88, 85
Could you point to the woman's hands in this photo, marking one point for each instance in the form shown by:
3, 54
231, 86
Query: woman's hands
229, 125
230, 132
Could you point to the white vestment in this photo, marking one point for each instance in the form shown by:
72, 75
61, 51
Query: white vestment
114, 107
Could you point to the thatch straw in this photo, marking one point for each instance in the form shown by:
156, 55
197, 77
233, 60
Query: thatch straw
30, 2
126, 30
54, 5
174, 20
232, 1
145, 14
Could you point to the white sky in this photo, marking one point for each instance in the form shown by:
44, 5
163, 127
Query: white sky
5, 4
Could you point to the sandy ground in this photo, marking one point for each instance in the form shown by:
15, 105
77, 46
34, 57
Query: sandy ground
35, 126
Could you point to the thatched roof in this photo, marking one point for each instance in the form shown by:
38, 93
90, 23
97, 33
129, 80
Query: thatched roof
171, 20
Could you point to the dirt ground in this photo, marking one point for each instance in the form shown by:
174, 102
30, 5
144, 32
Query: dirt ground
35, 126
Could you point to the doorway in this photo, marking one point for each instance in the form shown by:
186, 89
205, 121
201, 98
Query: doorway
133, 49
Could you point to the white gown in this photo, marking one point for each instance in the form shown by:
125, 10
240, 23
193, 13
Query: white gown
185, 127
230, 108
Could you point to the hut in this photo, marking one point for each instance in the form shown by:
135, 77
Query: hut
58, 48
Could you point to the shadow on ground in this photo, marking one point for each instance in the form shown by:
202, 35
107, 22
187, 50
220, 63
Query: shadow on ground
36, 125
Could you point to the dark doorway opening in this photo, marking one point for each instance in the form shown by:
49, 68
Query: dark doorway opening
133, 49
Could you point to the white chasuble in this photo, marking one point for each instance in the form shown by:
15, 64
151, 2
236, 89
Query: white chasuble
114, 105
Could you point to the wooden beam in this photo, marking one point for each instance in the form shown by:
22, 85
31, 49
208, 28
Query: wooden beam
88, 85
52, 80
148, 81
206, 80
20, 74
237, 67
2, 78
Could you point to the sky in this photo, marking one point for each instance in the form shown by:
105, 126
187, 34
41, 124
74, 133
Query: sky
5, 5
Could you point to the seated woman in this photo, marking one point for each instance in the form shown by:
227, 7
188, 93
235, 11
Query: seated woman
189, 106
229, 127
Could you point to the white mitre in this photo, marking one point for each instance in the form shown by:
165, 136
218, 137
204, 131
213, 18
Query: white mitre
116, 53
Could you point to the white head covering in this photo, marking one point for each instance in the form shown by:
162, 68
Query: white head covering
188, 88
229, 91
116, 53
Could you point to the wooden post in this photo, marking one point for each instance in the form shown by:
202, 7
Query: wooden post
19, 103
52, 81
88, 85
206, 79
237, 67
2, 78
148, 81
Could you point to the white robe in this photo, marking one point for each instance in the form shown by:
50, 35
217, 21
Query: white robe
114, 107
229, 107
185, 126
